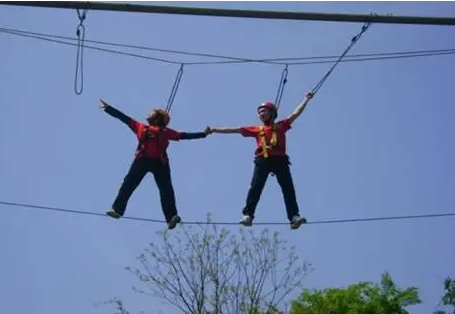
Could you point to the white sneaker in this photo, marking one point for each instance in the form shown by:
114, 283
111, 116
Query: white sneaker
246, 220
297, 221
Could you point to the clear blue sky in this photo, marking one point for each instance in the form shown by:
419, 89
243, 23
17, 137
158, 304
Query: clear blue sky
376, 141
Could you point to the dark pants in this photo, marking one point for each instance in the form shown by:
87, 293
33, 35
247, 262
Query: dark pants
162, 174
280, 167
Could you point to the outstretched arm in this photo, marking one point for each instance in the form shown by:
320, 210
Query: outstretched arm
114, 112
226, 130
195, 135
131, 123
174, 135
298, 111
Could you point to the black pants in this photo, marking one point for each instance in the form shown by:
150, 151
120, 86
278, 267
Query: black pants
162, 174
262, 168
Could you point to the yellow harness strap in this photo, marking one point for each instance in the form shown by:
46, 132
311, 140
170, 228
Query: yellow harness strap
274, 140
264, 145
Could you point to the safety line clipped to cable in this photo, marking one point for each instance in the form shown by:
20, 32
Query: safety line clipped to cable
354, 40
174, 89
283, 81
80, 32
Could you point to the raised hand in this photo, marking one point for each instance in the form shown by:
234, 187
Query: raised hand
103, 104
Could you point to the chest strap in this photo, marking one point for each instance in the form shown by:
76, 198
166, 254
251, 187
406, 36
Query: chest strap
273, 141
162, 150
142, 147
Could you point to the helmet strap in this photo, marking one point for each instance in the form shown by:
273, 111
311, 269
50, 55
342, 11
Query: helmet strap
270, 121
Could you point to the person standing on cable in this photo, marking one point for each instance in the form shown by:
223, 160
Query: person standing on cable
270, 157
150, 156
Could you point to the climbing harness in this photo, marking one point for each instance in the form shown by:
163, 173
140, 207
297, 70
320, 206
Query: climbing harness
159, 146
265, 152
283, 81
174, 89
354, 40
273, 142
143, 144
80, 32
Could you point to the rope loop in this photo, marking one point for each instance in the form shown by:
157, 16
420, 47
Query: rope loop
174, 89
283, 81
80, 32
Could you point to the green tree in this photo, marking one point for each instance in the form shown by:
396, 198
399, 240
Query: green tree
448, 299
360, 298
205, 269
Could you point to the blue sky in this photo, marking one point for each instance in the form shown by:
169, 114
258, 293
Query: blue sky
375, 141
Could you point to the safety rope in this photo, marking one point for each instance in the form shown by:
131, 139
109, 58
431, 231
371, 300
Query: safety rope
279, 95
283, 81
174, 89
353, 42
80, 32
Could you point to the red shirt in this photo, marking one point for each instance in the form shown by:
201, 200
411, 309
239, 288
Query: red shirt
153, 140
280, 128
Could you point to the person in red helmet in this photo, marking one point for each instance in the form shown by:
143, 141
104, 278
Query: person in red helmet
270, 157
150, 156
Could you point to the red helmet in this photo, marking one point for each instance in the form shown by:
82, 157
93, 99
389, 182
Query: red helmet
270, 106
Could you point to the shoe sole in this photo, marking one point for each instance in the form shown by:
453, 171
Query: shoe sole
298, 223
174, 221
246, 223
113, 214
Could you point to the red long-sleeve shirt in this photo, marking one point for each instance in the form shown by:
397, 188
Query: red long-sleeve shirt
153, 140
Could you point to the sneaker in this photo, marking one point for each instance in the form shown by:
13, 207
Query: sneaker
174, 221
113, 214
297, 221
246, 220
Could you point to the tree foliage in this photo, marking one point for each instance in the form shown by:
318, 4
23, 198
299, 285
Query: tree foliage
207, 270
360, 298
448, 299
